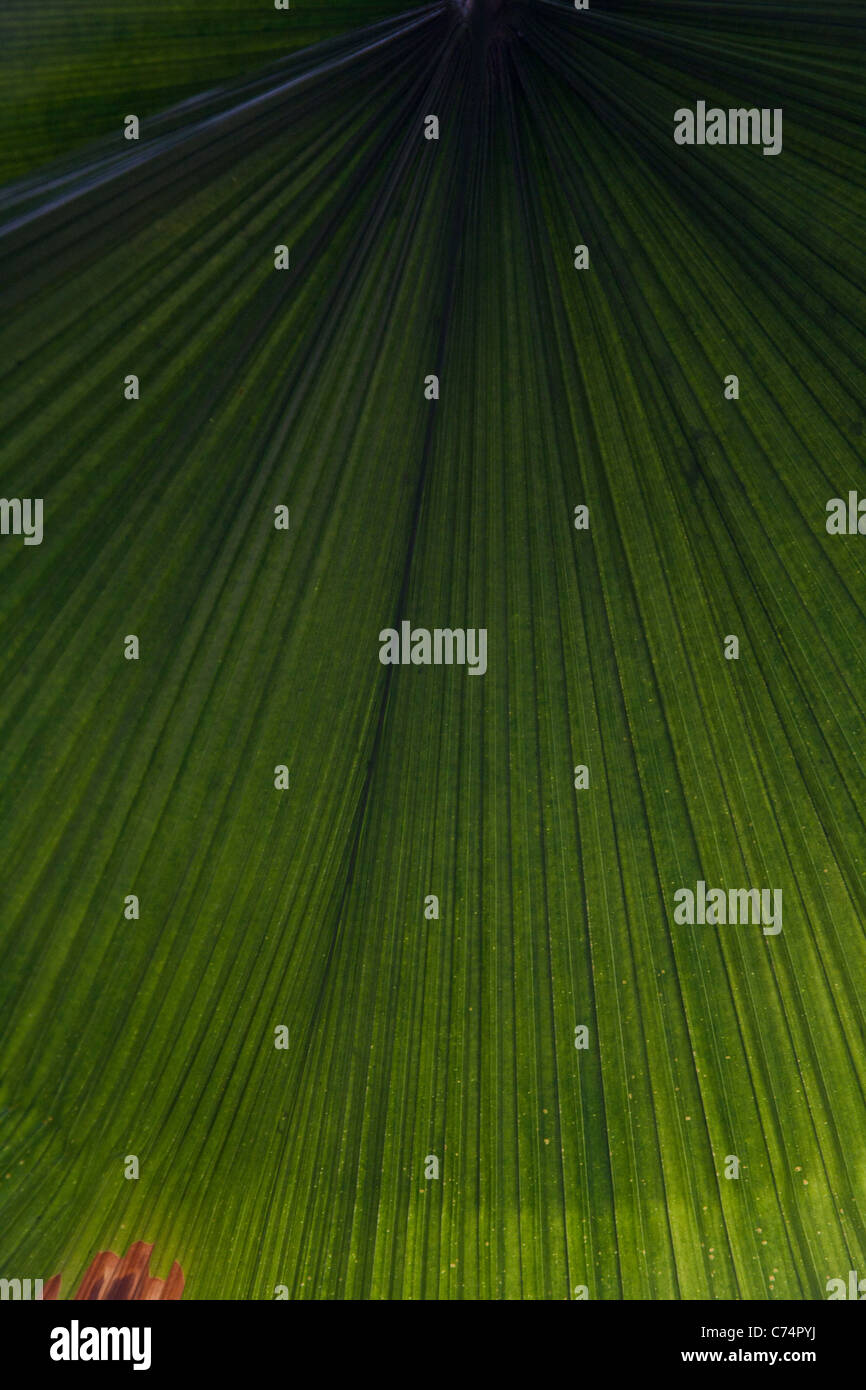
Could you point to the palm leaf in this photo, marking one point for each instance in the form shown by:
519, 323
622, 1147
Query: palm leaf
410, 1037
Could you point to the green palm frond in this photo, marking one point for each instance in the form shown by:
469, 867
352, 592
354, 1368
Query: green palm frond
412, 1036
